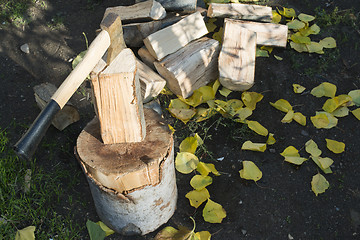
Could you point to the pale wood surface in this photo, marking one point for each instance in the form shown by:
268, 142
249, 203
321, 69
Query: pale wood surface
125, 167
267, 34
118, 100
191, 67
151, 83
177, 5
148, 10
147, 58
176, 36
66, 116
240, 11
237, 57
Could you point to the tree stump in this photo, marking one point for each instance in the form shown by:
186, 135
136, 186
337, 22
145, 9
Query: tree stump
133, 184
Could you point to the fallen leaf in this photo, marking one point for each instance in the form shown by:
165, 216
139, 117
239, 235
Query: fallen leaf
299, 47
319, 184
224, 91
257, 127
201, 95
324, 120
271, 140
167, 233
356, 113
250, 171
206, 168
295, 24
287, 12
335, 146
282, 105
288, 117
295, 160
314, 29
290, 151
341, 112
108, 231
317, 162
312, 148
278, 58
203, 235
300, 118
203, 114
27, 233
232, 106
181, 110
328, 42
215, 85
258, 147
299, 38
276, 17
250, 99
199, 182
355, 96
78, 59
336, 102
305, 17
261, 53
95, 231
186, 162
267, 48
210, 24
298, 88
189, 144
218, 35
198, 139
213, 212
243, 113
197, 197
171, 128
314, 47
325, 89
325, 162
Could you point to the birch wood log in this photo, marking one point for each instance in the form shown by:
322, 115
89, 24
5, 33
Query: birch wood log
118, 100
267, 34
147, 58
237, 57
191, 67
133, 184
66, 116
151, 83
148, 10
240, 11
177, 5
176, 36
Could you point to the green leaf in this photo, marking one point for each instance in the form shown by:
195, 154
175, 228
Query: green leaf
199, 182
225, 92
287, 12
299, 47
299, 38
355, 96
213, 212
186, 162
305, 17
295, 24
95, 231
250, 171
356, 113
27, 233
261, 53
78, 59
210, 24
108, 231
312, 148
315, 47
278, 58
328, 42
319, 184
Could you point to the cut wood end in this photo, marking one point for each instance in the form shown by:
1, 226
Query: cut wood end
125, 61
157, 11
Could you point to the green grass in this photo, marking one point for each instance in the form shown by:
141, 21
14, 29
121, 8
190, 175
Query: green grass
37, 206
14, 11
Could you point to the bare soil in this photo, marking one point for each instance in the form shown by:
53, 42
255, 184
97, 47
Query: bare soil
281, 205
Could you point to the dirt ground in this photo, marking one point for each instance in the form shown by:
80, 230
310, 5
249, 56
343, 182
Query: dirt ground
281, 205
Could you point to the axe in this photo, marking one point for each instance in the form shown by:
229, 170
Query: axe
110, 38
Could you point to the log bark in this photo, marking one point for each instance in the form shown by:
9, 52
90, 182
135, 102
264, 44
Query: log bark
176, 36
65, 116
147, 58
151, 83
148, 10
118, 100
240, 11
191, 67
267, 34
177, 5
133, 184
237, 57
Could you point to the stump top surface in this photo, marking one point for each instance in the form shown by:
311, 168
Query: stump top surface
125, 157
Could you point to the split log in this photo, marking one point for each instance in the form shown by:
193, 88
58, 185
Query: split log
267, 34
151, 83
148, 10
177, 5
240, 11
65, 116
237, 57
147, 58
191, 67
176, 36
133, 184
118, 100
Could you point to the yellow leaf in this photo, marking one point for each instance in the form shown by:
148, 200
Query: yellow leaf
183, 114
355, 96
328, 42
298, 88
258, 147
251, 98
299, 47
334, 103
312, 148
271, 140
324, 120
282, 105
243, 113
167, 233
78, 59
287, 12
341, 112
171, 128
325, 170
250, 171
314, 29
267, 48
295, 24
261, 53
186, 162
205, 168
210, 24
27, 233
199, 182
335, 146
215, 85
295, 160
325, 89
197, 197
199, 140
225, 92
257, 127
276, 17
108, 231
232, 106
204, 114
166, 91
201, 95
288, 117
356, 113
203, 235
299, 38
300, 118
290, 151
325, 162
314, 47
305, 17
218, 35
213, 212
189, 144
278, 58
319, 184
178, 104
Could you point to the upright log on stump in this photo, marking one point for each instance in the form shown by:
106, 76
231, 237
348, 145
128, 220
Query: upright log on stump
133, 182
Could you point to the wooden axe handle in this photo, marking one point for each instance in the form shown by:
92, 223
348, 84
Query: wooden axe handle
96, 50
